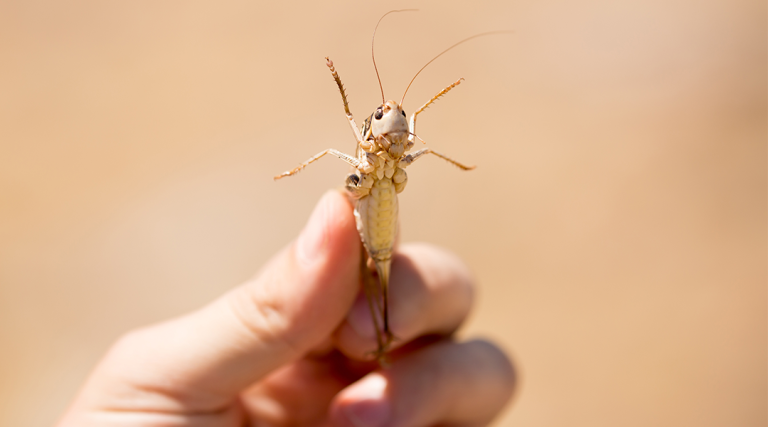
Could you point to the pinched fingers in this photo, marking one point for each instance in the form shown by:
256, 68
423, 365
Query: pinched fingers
459, 384
430, 293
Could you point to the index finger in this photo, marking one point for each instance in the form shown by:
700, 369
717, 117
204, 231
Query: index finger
205, 358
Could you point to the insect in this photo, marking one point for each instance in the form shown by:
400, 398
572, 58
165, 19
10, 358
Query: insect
378, 176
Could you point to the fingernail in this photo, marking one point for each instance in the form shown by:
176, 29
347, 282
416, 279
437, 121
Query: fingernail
371, 407
313, 238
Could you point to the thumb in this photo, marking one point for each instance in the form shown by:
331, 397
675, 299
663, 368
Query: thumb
294, 304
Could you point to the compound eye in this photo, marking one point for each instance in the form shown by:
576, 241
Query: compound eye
403, 111
378, 114
353, 179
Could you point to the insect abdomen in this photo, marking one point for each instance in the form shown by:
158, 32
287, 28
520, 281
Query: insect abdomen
377, 219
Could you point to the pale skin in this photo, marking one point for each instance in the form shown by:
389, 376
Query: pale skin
292, 347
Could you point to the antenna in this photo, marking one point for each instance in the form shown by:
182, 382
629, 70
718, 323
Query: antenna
441, 53
373, 39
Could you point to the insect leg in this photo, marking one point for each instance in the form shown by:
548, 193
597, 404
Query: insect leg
351, 119
410, 158
383, 268
412, 127
372, 295
346, 157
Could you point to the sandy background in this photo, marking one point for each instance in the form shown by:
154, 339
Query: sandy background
616, 221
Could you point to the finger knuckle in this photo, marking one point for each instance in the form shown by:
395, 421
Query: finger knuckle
262, 316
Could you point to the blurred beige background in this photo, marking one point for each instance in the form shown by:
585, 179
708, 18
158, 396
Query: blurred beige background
616, 222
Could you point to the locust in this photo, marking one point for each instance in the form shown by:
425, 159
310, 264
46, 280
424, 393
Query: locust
378, 176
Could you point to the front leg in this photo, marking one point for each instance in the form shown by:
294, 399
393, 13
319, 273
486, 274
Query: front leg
412, 125
350, 119
346, 157
410, 158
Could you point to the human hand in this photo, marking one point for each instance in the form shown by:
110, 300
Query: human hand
292, 347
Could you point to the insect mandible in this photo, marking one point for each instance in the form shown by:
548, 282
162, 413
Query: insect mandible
379, 175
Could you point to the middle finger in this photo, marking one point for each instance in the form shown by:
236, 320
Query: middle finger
430, 292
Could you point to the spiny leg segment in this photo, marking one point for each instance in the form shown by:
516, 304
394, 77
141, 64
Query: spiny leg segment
351, 119
412, 124
407, 160
439, 94
346, 157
